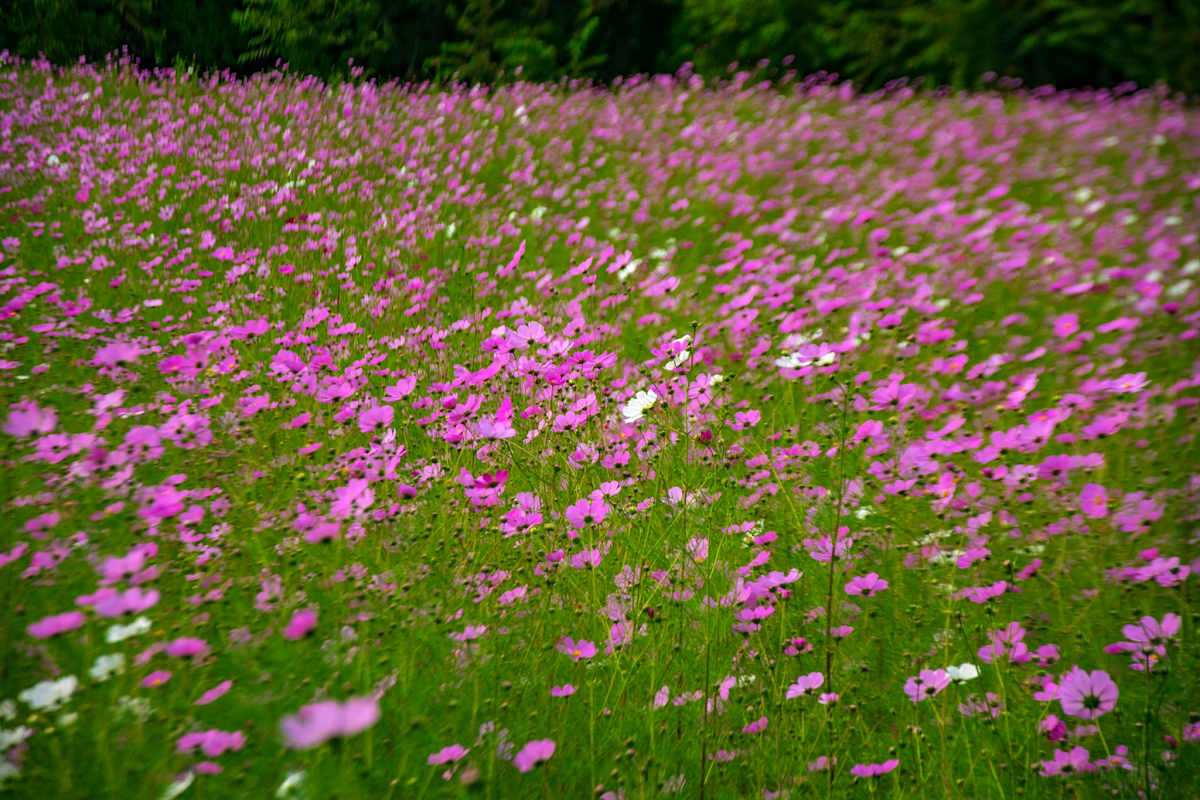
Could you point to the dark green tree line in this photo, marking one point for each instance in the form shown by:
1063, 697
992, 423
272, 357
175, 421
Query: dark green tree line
944, 42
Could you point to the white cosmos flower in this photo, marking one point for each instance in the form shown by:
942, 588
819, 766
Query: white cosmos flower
963, 672
49, 694
679, 360
291, 785
119, 633
137, 706
178, 786
106, 666
14, 737
636, 406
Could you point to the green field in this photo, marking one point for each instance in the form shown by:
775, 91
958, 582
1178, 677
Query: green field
551, 441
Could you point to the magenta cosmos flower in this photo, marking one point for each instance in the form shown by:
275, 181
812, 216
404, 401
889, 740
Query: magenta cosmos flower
866, 585
448, 754
317, 723
926, 684
1067, 762
301, 624
576, 650
60, 623
1093, 501
1087, 695
586, 512
874, 770
534, 753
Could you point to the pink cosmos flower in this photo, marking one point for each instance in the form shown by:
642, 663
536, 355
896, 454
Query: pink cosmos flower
316, 723
534, 753
822, 763
59, 623
805, 684
874, 770
213, 742
26, 419
576, 650
566, 690
758, 726
214, 693
926, 684
156, 678
447, 754
866, 585
587, 511
1133, 383
1067, 763
1087, 695
1093, 501
1147, 641
375, 417
187, 646
1065, 325
1054, 728
323, 532
302, 623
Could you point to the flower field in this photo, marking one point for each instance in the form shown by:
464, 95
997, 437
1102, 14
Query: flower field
658, 440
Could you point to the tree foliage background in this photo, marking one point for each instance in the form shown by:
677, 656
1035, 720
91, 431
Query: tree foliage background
946, 42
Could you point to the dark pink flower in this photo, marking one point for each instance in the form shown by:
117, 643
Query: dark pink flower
156, 678
302, 623
1054, 728
874, 770
60, 623
187, 646
534, 753
213, 742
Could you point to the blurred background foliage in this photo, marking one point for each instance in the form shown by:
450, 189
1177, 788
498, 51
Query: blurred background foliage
1066, 43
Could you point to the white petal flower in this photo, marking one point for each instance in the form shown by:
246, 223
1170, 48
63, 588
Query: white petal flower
49, 694
178, 786
14, 737
963, 672
291, 785
106, 666
119, 633
633, 409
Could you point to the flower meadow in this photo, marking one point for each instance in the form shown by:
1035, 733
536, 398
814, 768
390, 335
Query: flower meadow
665, 439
